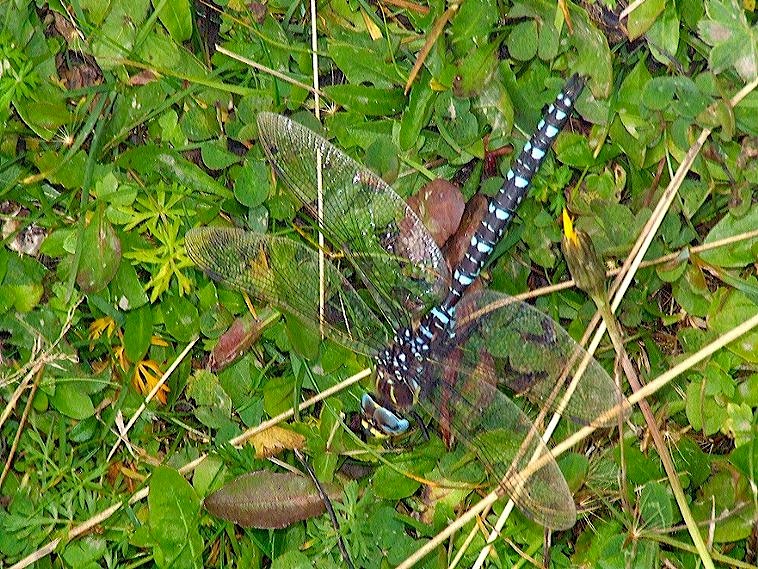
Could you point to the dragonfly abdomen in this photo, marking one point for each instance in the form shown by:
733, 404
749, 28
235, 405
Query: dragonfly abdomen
504, 204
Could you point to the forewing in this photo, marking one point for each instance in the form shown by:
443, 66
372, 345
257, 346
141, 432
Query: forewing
502, 437
284, 273
534, 356
363, 217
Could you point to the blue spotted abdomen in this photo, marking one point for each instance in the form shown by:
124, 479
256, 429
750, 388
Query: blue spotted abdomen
504, 204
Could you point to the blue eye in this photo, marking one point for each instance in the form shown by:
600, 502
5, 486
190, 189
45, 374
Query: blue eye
380, 420
389, 423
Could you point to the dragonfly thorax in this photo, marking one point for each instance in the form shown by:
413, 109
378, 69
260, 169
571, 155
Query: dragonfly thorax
401, 369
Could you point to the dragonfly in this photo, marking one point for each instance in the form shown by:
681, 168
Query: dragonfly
390, 295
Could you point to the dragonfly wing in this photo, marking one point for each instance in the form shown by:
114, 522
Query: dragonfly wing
535, 357
503, 438
284, 273
392, 251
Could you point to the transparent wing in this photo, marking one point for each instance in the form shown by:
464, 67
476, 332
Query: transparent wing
534, 356
502, 437
382, 237
284, 273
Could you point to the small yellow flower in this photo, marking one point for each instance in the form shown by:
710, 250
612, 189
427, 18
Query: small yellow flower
96, 329
582, 260
147, 374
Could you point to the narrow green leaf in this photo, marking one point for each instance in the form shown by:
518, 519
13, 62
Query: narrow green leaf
176, 16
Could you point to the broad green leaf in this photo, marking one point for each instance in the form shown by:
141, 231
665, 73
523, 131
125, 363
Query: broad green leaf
174, 521
729, 313
214, 406
138, 330
574, 467
594, 56
84, 553
522, 41
304, 339
216, 157
723, 492
278, 395
690, 460
739, 423
184, 172
44, 114
703, 412
641, 19
476, 70
655, 506
734, 40
127, 289
101, 254
745, 458
691, 292
292, 559
251, 185
663, 35
739, 254
472, 24
72, 399
363, 65
181, 318
496, 106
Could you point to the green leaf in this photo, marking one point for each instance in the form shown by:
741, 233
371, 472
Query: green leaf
725, 492
45, 113
71, 399
367, 100
211, 399
174, 510
663, 35
740, 254
138, 330
594, 56
472, 24
734, 40
416, 115
177, 167
476, 70
641, 19
181, 318
101, 254
24, 297
251, 185
732, 311
305, 339
703, 412
126, 288
656, 507
176, 16
292, 559
363, 65
216, 156
522, 41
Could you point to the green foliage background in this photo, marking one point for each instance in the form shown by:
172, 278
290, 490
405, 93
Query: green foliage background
123, 127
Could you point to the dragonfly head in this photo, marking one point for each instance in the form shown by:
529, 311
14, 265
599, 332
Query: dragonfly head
379, 421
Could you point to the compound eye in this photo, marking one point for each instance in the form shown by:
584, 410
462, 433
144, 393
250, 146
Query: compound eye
380, 421
389, 423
